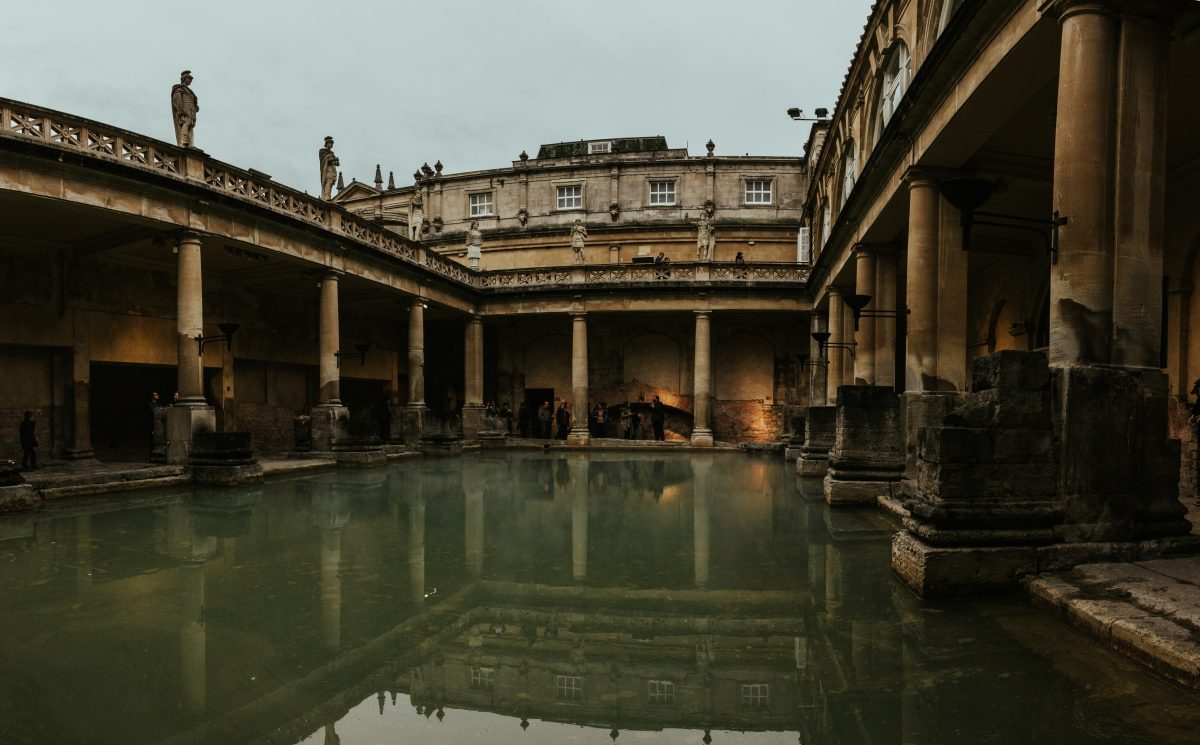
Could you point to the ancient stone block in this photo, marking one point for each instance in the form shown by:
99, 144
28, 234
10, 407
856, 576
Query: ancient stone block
1009, 369
819, 426
935, 571
865, 461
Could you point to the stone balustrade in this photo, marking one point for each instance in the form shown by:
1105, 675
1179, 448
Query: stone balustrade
707, 274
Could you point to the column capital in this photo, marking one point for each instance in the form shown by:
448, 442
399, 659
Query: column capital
837, 290
417, 304
332, 275
874, 249
1063, 9
702, 312
189, 236
924, 176
474, 319
579, 314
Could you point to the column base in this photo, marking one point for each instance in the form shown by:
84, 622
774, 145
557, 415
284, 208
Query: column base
702, 438
579, 437
472, 421
819, 424
182, 423
858, 487
921, 409
814, 463
328, 423
413, 423
865, 461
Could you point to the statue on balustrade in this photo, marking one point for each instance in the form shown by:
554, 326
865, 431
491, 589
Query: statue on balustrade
329, 167
184, 106
416, 216
578, 238
706, 239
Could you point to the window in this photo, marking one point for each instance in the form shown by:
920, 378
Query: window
483, 678
570, 197
481, 204
569, 688
895, 82
849, 170
599, 147
826, 224
948, 8
662, 192
661, 692
758, 191
756, 695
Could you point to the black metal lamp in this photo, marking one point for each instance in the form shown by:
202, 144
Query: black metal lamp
823, 343
797, 114
857, 305
361, 354
969, 193
227, 331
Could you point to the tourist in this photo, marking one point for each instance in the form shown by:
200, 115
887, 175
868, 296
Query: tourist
29, 442
739, 259
626, 418
596, 421
523, 419
545, 418
151, 408
506, 415
562, 418
658, 417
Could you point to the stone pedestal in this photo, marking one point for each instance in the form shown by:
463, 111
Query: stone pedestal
224, 459
796, 441
358, 445
865, 460
472, 421
327, 425
413, 422
15, 494
819, 427
182, 423
920, 409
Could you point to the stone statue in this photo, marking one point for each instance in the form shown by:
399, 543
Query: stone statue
474, 245
329, 166
578, 237
706, 239
184, 106
416, 216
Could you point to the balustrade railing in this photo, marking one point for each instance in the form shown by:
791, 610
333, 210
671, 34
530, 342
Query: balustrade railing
699, 273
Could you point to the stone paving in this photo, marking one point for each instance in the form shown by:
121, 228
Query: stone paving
1146, 610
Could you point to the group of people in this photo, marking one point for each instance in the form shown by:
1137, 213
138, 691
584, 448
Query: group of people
554, 422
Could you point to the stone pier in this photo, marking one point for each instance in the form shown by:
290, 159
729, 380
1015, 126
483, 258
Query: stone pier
329, 415
191, 413
819, 427
864, 463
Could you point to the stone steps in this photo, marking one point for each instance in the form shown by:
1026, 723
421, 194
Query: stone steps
107, 481
1148, 610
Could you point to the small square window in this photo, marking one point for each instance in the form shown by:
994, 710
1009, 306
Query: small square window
570, 197
599, 147
569, 688
661, 692
758, 191
756, 695
483, 678
481, 204
662, 192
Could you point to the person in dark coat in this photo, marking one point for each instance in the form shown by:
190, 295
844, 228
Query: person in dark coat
545, 420
29, 442
658, 418
562, 418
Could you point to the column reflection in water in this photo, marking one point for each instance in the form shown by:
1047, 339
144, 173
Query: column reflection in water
331, 513
416, 544
473, 480
578, 468
701, 477
83, 551
179, 540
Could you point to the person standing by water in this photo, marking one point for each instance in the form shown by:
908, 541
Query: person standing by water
562, 418
658, 418
29, 443
151, 407
545, 418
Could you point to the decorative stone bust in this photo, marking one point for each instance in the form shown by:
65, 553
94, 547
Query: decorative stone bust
184, 107
329, 164
578, 238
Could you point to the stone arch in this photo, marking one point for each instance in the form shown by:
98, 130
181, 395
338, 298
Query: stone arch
743, 368
546, 363
653, 359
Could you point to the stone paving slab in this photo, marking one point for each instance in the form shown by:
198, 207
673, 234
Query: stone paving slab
1149, 610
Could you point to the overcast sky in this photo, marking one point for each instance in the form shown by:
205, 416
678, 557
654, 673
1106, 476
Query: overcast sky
469, 82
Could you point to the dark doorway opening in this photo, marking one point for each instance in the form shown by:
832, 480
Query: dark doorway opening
120, 407
534, 398
367, 401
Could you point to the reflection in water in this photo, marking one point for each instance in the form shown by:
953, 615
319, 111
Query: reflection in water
707, 595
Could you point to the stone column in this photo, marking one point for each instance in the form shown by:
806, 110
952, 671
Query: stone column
1081, 285
473, 378
331, 586
81, 364
191, 413
579, 380
837, 357
818, 369
952, 301
1140, 191
414, 413
702, 435
920, 366
329, 413
864, 338
885, 328
578, 469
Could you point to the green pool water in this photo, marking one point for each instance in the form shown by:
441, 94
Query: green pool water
527, 598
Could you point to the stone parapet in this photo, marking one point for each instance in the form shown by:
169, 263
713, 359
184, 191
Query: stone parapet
865, 461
